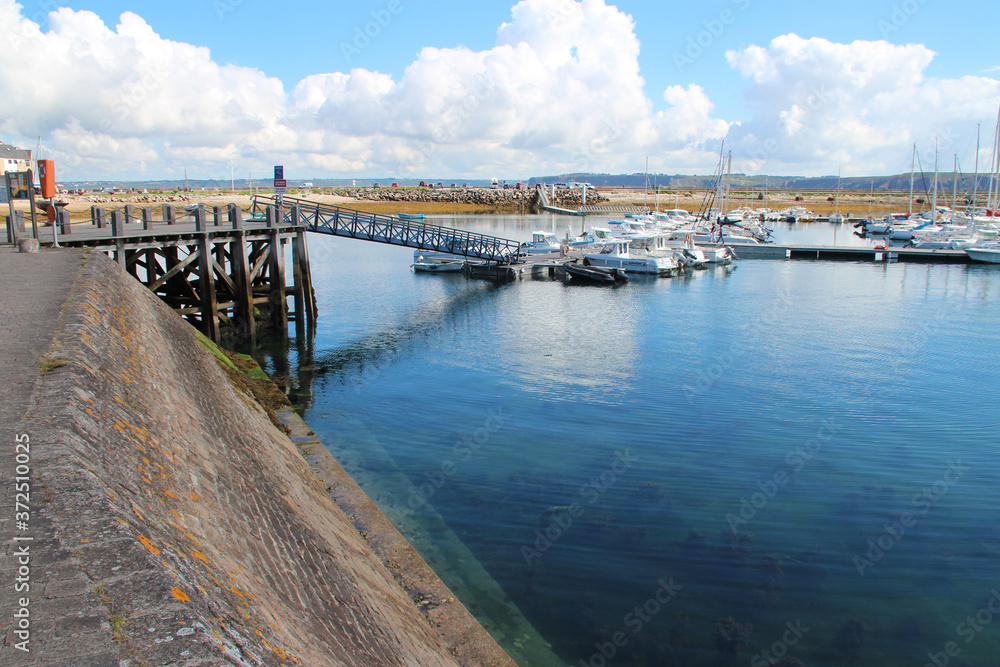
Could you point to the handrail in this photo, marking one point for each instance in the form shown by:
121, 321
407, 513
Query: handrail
351, 223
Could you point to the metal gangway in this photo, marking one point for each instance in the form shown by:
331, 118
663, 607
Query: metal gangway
349, 223
543, 198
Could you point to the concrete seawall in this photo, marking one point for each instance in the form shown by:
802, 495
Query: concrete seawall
198, 525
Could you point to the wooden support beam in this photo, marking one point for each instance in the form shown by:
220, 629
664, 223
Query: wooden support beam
276, 269
174, 270
298, 294
307, 281
117, 229
305, 297
245, 323
206, 285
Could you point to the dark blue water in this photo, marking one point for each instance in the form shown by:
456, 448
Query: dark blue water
792, 459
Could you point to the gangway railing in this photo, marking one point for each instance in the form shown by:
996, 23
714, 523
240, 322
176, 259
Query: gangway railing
350, 223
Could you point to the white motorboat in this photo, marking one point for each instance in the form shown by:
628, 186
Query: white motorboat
541, 242
617, 255
836, 218
437, 262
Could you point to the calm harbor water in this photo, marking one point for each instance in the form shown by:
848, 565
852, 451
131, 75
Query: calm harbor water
789, 459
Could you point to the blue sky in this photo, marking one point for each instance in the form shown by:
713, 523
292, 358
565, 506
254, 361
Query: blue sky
306, 37
293, 42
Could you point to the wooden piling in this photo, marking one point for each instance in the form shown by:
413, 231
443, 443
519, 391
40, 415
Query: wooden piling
244, 321
117, 229
206, 280
276, 270
147, 219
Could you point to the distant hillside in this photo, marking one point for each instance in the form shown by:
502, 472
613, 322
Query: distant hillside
922, 183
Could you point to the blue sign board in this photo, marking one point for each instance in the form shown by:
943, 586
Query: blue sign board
279, 173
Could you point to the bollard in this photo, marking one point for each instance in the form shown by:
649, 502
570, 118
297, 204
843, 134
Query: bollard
97, 216
117, 223
199, 219
147, 219
29, 246
169, 214
217, 215
62, 219
269, 215
236, 216
129, 213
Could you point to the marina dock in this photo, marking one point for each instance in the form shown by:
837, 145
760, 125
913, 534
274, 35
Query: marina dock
847, 254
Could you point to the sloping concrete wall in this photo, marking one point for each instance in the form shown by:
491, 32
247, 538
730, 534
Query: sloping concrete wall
198, 523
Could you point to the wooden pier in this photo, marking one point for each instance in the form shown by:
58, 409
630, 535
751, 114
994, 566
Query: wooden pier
227, 275
224, 274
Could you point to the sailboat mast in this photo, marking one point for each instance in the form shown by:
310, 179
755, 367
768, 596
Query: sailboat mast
993, 159
996, 169
836, 200
645, 187
729, 175
975, 184
934, 200
954, 184
913, 160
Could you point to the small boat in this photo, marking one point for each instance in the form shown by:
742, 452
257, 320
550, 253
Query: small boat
438, 267
594, 274
542, 242
411, 216
615, 255
836, 218
436, 262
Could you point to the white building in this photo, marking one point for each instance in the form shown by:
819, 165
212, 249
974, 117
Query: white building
13, 159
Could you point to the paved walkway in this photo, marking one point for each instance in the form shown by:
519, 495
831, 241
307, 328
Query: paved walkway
68, 623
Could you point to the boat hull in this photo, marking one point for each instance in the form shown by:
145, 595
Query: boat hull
651, 265
437, 267
986, 255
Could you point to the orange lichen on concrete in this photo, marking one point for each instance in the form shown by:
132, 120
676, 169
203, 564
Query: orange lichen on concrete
183, 597
146, 542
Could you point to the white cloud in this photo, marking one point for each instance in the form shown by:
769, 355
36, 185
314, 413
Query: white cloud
560, 90
818, 105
